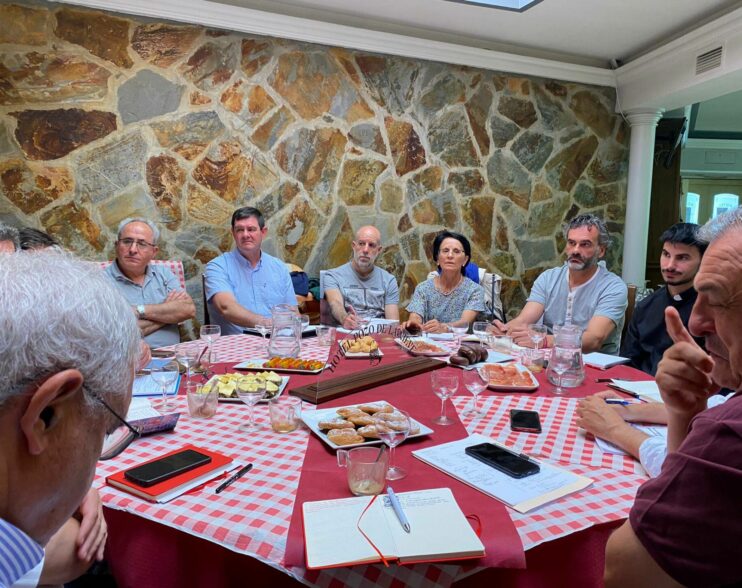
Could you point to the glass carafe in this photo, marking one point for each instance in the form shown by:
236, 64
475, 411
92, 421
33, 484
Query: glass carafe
285, 333
569, 337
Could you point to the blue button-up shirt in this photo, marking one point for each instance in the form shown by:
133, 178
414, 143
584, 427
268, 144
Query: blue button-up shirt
257, 288
19, 554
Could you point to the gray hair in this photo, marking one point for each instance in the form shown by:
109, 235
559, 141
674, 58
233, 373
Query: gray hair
139, 219
8, 233
58, 312
589, 220
716, 227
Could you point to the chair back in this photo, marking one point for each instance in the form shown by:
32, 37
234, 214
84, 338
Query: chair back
174, 265
325, 312
491, 283
206, 305
629, 309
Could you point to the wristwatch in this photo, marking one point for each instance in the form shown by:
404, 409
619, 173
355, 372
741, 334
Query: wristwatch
140, 311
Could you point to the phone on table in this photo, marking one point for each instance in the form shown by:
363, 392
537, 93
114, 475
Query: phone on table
525, 420
165, 468
512, 464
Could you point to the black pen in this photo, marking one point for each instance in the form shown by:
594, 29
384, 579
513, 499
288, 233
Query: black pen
234, 478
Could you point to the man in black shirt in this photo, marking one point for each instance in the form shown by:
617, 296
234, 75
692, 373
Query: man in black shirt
646, 337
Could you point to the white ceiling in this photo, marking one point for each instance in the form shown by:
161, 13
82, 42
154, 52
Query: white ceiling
585, 32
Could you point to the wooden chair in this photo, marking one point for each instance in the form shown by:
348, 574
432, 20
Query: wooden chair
629, 309
206, 306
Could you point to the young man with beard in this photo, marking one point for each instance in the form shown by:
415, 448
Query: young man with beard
581, 292
646, 337
360, 285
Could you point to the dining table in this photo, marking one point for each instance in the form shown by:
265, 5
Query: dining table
252, 532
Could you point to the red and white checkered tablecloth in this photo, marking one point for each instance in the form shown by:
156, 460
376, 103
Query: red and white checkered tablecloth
234, 348
616, 478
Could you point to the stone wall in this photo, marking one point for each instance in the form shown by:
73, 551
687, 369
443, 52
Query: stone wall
104, 117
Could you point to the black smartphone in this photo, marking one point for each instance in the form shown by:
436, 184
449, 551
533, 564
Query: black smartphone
165, 468
512, 464
525, 420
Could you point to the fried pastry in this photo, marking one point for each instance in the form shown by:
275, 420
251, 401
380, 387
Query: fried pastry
335, 424
361, 419
368, 432
376, 407
344, 437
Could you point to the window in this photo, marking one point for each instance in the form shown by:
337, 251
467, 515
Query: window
692, 202
723, 203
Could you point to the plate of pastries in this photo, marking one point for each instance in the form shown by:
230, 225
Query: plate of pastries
352, 426
361, 347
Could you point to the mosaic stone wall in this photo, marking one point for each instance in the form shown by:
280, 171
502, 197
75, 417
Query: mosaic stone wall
104, 117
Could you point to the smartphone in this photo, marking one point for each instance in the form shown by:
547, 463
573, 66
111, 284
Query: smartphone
165, 468
525, 420
512, 464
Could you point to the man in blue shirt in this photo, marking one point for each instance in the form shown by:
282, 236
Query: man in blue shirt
244, 284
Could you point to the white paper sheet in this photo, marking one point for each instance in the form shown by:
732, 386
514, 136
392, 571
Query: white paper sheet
651, 430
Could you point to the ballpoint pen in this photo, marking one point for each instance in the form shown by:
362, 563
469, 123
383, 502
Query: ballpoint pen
398, 509
617, 401
237, 476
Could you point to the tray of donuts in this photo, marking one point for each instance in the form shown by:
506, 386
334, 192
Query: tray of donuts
352, 426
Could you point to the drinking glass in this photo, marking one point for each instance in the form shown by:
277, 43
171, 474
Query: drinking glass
165, 375
210, 333
186, 355
479, 328
444, 386
561, 360
459, 333
537, 333
475, 381
250, 394
393, 428
304, 322
263, 327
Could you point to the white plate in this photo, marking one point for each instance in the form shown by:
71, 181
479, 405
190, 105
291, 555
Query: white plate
522, 369
312, 418
405, 344
257, 364
281, 388
359, 354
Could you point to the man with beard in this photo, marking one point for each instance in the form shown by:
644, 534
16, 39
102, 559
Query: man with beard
361, 286
244, 284
684, 527
581, 292
646, 337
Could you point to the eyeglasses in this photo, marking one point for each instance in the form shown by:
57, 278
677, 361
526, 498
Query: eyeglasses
452, 251
121, 437
140, 243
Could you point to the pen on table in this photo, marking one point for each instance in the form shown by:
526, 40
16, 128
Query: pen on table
398, 509
234, 478
617, 401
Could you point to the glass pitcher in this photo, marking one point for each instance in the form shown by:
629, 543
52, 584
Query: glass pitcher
568, 337
285, 333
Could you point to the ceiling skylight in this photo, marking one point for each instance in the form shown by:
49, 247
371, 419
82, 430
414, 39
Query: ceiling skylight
516, 5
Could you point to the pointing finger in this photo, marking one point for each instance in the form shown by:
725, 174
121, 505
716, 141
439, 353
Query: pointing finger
675, 327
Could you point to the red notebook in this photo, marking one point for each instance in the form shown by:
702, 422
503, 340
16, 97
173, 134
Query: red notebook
178, 485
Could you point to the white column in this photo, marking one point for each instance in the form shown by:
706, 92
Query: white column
641, 155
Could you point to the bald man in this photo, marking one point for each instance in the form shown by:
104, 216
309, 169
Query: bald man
361, 286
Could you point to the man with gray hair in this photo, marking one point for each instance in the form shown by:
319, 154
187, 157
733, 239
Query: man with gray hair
582, 292
152, 290
10, 241
684, 528
68, 364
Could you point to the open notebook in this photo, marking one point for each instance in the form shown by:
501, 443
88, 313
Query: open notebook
439, 530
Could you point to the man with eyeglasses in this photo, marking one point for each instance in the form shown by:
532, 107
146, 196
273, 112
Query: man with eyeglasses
243, 285
67, 361
153, 291
359, 285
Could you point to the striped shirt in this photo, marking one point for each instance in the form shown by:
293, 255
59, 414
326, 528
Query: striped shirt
19, 554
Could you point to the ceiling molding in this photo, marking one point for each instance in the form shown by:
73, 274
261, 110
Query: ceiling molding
246, 20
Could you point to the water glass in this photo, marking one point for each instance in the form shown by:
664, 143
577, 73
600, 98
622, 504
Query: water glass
325, 335
250, 394
304, 322
562, 359
537, 334
366, 469
202, 403
480, 329
475, 381
392, 429
502, 343
444, 386
209, 334
285, 413
165, 375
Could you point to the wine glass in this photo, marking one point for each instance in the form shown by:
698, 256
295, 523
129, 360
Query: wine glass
479, 328
263, 327
444, 386
186, 355
393, 428
537, 334
210, 333
475, 381
561, 360
304, 322
165, 375
459, 333
250, 394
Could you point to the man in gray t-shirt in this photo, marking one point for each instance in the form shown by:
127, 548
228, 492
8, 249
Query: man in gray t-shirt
581, 293
359, 285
